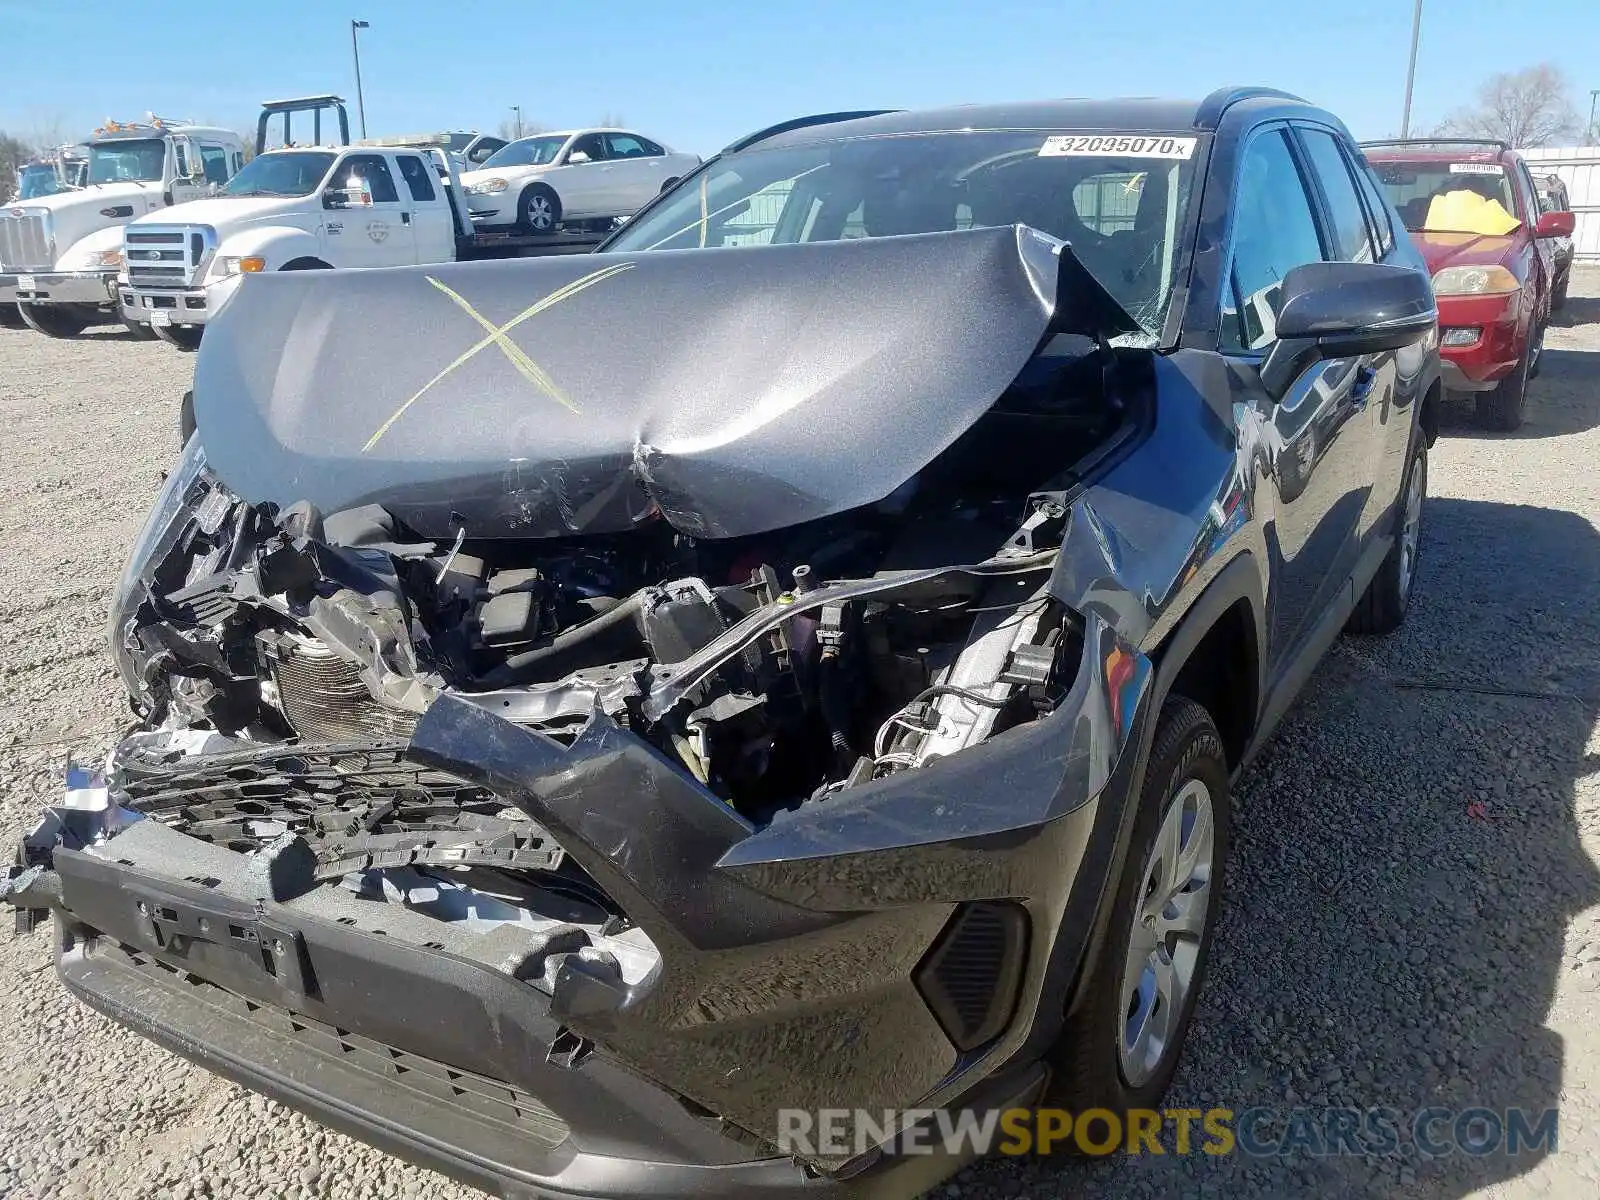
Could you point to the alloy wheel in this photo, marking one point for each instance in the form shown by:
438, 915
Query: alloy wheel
540, 214
1169, 923
1411, 523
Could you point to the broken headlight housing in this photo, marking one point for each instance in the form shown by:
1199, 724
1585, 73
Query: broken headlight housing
167, 523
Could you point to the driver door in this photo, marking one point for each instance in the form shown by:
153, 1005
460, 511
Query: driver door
188, 172
1316, 443
373, 226
587, 188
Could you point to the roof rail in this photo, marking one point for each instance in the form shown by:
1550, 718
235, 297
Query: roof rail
1500, 145
832, 118
1209, 114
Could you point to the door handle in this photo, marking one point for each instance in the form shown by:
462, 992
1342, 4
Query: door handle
1361, 389
405, 218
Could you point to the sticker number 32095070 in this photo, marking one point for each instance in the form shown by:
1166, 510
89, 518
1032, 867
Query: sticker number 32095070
1113, 145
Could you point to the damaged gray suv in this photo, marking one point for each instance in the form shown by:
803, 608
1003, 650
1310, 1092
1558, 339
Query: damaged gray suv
794, 658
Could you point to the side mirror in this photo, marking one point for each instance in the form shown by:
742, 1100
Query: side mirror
335, 198
1341, 310
578, 157
1554, 225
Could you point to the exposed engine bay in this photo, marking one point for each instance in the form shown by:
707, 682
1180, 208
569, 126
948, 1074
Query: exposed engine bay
775, 668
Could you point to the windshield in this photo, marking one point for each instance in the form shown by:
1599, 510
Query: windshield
1438, 197
123, 162
529, 152
1119, 200
37, 179
281, 173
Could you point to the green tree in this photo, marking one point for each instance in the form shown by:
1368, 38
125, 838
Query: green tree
13, 153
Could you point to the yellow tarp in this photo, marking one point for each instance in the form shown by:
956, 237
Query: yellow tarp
1464, 211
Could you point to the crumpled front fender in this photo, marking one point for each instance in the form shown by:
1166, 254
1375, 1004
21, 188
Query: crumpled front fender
789, 954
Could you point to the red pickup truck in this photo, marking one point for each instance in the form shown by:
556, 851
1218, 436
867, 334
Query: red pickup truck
1472, 210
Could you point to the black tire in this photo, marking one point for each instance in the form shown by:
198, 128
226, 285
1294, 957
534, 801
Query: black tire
1382, 607
53, 320
1558, 298
538, 209
11, 317
139, 331
1501, 408
186, 418
1088, 1060
306, 264
184, 337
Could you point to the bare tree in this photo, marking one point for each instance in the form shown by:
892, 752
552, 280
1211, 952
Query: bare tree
613, 120
1531, 107
13, 153
508, 128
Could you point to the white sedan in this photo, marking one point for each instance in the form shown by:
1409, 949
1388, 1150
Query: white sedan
538, 183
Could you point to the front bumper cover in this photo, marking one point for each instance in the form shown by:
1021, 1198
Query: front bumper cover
96, 288
789, 969
169, 306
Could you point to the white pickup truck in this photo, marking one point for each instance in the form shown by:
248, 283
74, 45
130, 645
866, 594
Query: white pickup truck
304, 208
60, 254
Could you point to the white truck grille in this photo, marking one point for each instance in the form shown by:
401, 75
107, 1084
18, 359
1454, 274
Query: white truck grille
165, 256
26, 243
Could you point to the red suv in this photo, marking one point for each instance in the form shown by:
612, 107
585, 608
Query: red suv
1473, 212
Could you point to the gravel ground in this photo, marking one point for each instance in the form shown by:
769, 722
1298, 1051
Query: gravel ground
1413, 914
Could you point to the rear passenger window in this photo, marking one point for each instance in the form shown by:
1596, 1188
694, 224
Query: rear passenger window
1351, 243
1273, 232
415, 173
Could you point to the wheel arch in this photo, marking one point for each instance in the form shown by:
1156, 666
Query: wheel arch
306, 262
1216, 656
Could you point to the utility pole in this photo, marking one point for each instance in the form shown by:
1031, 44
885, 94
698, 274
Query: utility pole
1591, 135
355, 50
1411, 71
517, 108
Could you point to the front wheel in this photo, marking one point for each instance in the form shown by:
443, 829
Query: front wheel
1382, 607
184, 337
139, 331
1501, 408
539, 209
1558, 300
1120, 1048
53, 320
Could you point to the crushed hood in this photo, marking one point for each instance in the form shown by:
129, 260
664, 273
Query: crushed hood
735, 391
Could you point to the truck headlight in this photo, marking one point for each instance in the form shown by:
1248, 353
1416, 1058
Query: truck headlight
108, 259
234, 264
487, 187
1474, 281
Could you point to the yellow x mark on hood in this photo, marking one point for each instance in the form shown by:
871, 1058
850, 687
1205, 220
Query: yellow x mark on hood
497, 335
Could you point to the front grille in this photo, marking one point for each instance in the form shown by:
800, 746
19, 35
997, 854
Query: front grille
165, 255
26, 243
401, 1071
322, 696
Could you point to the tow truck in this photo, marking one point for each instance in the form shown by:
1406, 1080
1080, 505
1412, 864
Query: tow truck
312, 206
60, 254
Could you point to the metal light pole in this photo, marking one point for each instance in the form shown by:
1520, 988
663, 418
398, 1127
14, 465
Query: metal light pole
355, 50
517, 108
1590, 134
1411, 71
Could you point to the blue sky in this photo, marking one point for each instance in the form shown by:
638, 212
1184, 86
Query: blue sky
698, 74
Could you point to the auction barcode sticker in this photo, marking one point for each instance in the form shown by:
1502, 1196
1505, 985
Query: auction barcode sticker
1476, 169
1117, 145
